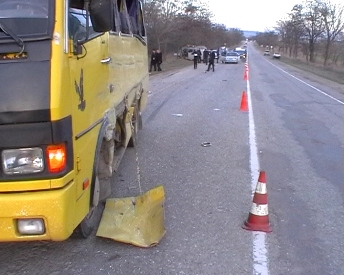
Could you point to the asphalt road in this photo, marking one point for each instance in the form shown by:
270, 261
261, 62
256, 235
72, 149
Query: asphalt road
298, 137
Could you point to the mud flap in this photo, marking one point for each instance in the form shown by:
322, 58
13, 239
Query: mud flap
135, 220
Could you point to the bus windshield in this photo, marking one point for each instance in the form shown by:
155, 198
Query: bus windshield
26, 18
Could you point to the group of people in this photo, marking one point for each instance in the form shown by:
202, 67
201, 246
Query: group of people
156, 60
208, 57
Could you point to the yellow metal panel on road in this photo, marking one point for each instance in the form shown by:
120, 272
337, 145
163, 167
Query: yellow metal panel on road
135, 220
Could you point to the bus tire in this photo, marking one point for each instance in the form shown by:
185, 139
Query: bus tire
137, 125
97, 193
92, 219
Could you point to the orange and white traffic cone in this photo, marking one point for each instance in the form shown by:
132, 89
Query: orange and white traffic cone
243, 104
258, 218
246, 75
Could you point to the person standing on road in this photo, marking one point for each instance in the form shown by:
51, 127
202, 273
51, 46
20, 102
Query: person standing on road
153, 61
195, 55
205, 56
158, 59
211, 60
199, 55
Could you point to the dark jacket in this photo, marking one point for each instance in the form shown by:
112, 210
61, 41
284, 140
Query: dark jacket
211, 57
159, 57
153, 58
195, 55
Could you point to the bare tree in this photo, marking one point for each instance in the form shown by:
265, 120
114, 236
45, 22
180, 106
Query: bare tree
161, 18
283, 29
268, 38
197, 23
317, 28
170, 22
234, 36
337, 49
173, 24
313, 24
333, 22
296, 28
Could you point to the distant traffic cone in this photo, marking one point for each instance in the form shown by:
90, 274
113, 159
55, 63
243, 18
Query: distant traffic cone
243, 105
258, 218
246, 75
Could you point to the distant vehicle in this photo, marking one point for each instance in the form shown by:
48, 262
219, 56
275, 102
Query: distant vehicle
187, 51
222, 52
190, 54
266, 52
231, 57
222, 55
242, 52
276, 56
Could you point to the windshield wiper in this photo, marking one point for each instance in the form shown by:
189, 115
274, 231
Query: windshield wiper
15, 37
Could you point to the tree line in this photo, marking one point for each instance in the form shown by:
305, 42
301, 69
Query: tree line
172, 24
313, 28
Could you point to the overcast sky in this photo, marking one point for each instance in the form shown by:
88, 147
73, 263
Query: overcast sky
252, 15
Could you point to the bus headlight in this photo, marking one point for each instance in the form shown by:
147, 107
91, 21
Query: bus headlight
22, 161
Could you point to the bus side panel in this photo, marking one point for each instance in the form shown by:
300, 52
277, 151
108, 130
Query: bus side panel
128, 69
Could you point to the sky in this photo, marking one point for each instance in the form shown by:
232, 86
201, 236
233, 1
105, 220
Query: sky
252, 15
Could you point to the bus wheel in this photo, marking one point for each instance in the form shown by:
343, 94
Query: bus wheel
88, 224
100, 187
136, 125
92, 219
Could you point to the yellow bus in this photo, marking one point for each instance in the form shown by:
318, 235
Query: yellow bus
73, 83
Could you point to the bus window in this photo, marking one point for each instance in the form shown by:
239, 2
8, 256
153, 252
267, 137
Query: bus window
123, 16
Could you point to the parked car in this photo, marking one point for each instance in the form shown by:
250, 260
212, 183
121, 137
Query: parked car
242, 52
230, 57
276, 56
266, 52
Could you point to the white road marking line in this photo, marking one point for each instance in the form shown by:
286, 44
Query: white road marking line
260, 252
309, 85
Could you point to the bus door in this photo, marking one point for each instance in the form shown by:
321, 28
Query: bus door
89, 70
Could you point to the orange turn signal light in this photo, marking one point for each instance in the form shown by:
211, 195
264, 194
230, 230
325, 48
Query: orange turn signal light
57, 157
85, 184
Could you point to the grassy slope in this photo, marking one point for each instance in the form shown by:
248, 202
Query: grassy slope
333, 73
